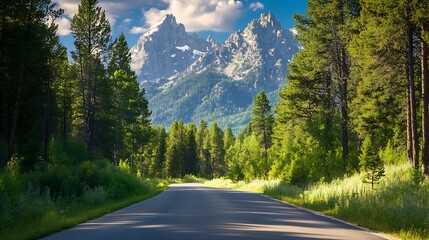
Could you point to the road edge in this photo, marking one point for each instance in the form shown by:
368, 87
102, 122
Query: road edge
379, 234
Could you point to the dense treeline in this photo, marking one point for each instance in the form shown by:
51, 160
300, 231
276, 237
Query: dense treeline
94, 99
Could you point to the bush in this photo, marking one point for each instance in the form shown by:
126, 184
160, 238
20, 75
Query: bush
94, 196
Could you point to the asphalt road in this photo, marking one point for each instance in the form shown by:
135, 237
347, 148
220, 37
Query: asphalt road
193, 211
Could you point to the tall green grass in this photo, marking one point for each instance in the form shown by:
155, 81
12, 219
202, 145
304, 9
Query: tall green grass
31, 216
398, 205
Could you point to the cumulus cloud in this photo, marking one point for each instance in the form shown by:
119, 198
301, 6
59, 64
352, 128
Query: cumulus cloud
137, 30
199, 15
114, 8
70, 6
63, 26
256, 5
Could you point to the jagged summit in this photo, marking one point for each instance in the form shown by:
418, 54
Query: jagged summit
192, 79
268, 19
263, 48
166, 49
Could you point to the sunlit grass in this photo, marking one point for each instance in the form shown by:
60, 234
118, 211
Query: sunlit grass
49, 216
398, 205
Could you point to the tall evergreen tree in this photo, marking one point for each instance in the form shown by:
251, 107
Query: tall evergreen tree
262, 122
228, 139
326, 24
191, 158
216, 151
201, 152
159, 147
421, 18
91, 31
174, 156
385, 56
26, 54
120, 57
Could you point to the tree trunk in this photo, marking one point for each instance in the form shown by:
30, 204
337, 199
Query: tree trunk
425, 101
410, 82
24, 60
409, 128
46, 119
344, 106
64, 119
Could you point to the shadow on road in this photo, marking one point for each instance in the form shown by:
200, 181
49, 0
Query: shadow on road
192, 211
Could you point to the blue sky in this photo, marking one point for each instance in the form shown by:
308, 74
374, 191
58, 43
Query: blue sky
218, 18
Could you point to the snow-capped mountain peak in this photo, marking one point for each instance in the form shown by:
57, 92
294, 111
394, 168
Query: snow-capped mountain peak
166, 49
263, 47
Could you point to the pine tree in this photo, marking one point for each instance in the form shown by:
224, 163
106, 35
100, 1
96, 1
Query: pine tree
421, 19
385, 56
190, 158
228, 139
262, 122
120, 57
200, 138
175, 154
217, 152
91, 31
371, 164
159, 147
324, 30
26, 64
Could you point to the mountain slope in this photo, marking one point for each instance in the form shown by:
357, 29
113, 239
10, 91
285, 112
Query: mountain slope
221, 83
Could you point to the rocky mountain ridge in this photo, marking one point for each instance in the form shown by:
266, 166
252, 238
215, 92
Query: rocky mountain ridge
219, 82
166, 49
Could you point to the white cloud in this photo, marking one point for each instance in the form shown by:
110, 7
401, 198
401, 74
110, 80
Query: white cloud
199, 15
137, 30
127, 20
63, 26
70, 6
113, 8
256, 5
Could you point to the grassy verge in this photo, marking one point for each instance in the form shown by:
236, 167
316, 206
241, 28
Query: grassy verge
44, 218
399, 205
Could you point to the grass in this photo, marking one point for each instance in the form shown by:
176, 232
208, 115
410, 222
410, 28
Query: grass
399, 204
43, 216
63, 214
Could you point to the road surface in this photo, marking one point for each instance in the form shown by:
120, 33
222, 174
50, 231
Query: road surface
193, 211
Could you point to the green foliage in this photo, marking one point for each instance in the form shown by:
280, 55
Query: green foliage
228, 139
262, 123
156, 151
398, 206
216, 151
22, 207
390, 155
121, 57
371, 164
174, 156
245, 160
28, 57
190, 155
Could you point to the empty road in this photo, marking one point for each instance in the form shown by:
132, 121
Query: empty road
193, 211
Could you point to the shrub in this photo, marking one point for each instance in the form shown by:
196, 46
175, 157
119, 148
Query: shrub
94, 196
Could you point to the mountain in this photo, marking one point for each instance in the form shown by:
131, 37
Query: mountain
166, 49
262, 49
220, 84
